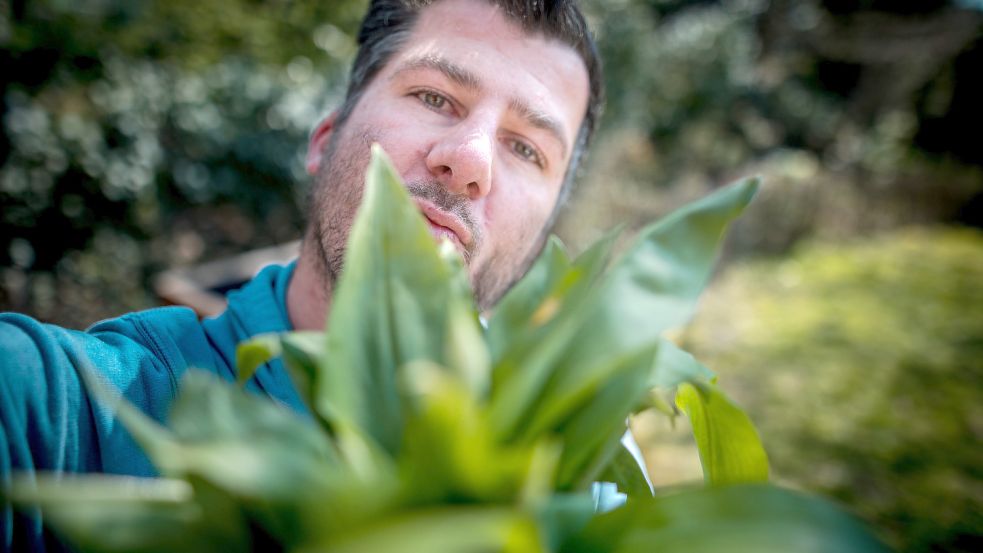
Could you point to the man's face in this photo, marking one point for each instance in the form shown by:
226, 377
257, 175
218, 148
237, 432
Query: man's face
480, 119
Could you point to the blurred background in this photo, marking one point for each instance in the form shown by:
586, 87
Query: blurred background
847, 313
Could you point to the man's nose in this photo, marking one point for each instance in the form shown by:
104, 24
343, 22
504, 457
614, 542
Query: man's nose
462, 160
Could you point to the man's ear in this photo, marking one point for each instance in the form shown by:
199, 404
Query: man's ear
319, 141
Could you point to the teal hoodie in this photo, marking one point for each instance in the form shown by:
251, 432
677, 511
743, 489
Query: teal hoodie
49, 423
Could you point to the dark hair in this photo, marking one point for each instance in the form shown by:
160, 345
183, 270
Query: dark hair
388, 23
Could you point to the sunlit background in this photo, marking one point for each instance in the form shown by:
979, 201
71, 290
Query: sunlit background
847, 315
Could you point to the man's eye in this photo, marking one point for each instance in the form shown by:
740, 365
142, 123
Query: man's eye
526, 152
432, 99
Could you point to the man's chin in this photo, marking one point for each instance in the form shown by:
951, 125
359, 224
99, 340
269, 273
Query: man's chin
489, 287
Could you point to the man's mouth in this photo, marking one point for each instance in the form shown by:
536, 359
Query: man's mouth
446, 225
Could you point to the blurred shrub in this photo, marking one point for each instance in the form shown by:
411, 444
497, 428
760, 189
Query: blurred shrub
177, 128
830, 101
861, 362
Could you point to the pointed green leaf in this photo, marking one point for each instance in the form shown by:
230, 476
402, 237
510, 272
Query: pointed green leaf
533, 301
254, 457
237, 446
379, 318
656, 283
542, 332
673, 366
752, 518
449, 451
365, 460
513, 315
729, 446
627, 373
624, 471
254, 352
563, 515
465, 350
441, 530
208, 434
592, 435
247, 444
652, 288
539, 484
303, 353
124, 513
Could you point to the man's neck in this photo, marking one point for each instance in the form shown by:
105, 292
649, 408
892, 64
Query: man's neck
308, 296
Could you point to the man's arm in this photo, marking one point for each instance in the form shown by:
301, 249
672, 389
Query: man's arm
48, 421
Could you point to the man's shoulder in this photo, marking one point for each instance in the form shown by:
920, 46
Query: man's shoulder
143, 355
163, 330
163, 340
173, 335
126, 324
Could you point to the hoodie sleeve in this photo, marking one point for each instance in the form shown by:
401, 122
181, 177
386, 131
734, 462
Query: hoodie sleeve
48, 422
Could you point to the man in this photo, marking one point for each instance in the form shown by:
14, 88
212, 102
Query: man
486, 157
485, 108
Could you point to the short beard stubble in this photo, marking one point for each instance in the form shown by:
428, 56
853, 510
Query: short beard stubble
337, 193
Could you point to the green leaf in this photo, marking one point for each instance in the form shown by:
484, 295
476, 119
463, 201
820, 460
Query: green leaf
516, 328
591, 434
537, 297
303, 353
263, 459
729, 446
751, 518
124, 513
649, 290
243, 450
513, 315
652, 288
597, 256
624, 471
449, 452
247, 444
254, 352
390, 307
563, 515
673, 366
541, 333
539, 485
465, 352
441, 530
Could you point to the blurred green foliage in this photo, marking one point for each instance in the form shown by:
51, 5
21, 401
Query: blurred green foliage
852, 111
861, 362
174, 130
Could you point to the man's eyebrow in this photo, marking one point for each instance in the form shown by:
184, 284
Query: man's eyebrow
451, 70
465, 78
540, 120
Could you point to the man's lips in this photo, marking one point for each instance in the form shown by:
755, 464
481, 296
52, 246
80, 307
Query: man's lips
443, 223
